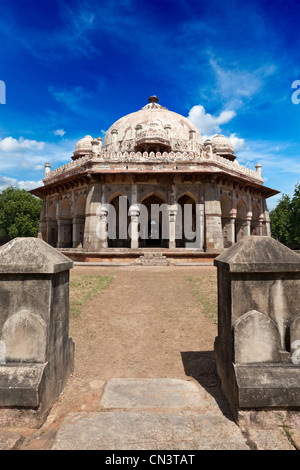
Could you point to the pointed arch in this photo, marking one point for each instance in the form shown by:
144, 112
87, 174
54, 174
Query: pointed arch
185, 227
80, 205
155, 194
154, 229
119, 216
241, 214
255, 222
65, 228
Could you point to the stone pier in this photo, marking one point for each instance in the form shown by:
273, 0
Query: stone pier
257, 348
36, 353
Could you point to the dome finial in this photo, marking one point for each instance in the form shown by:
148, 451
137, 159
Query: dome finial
153, 99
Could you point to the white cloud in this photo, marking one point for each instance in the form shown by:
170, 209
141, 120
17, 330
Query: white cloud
6, 181
236, 85
60, 132
25, 159
9, 144
205, 122
238, 143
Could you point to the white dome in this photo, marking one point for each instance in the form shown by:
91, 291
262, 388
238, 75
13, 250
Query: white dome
221, 144
153, 128
83, 146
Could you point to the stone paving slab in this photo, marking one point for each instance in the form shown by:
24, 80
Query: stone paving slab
9, 439
128, 430
266, 439
161, 414
155, 393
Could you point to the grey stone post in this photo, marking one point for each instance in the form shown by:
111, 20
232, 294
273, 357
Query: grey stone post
258, 324
37, 355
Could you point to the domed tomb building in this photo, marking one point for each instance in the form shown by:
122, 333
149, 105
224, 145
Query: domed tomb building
153, 183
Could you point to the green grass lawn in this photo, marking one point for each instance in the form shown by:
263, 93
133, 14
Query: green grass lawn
205, 289
83, 289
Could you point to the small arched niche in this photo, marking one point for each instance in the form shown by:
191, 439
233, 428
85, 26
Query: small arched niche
24, 336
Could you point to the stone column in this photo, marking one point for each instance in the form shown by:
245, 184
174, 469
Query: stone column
134, 212
91, 240
260, 223
103, 226
213, 220
232, 229
247, 231
172, 225
60, 237
200, 229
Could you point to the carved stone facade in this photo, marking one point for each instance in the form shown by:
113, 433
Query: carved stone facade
152, 157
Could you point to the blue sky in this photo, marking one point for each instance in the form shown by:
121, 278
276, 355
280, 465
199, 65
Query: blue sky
74, 67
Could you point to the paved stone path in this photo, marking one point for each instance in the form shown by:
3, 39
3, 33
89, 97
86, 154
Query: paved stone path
159, 414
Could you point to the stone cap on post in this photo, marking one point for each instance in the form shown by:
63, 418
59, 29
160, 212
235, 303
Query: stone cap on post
258, 254
32, 255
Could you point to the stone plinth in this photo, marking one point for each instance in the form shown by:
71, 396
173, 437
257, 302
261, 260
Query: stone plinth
37, 354
258, 325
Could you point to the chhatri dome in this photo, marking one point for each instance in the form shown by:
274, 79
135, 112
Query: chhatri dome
99, 205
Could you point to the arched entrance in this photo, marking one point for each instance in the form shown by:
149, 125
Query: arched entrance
241, 215
154, 230
255, 228
186, 221
65, 225
79, 221
119, 217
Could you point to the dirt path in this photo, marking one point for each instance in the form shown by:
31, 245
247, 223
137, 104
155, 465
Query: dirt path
140, 325
148, 323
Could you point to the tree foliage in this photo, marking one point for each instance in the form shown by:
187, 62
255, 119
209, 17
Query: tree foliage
19, 214
285, 219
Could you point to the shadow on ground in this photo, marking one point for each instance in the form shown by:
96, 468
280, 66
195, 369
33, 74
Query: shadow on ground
201, 365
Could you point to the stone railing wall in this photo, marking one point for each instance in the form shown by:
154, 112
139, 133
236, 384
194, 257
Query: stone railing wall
165, 157
64, 168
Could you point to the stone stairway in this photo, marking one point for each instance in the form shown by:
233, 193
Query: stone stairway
152, 258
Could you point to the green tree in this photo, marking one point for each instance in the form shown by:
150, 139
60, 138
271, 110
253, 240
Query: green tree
19, 214
295, 226
281, 221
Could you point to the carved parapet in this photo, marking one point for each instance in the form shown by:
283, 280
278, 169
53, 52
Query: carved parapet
198, 158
